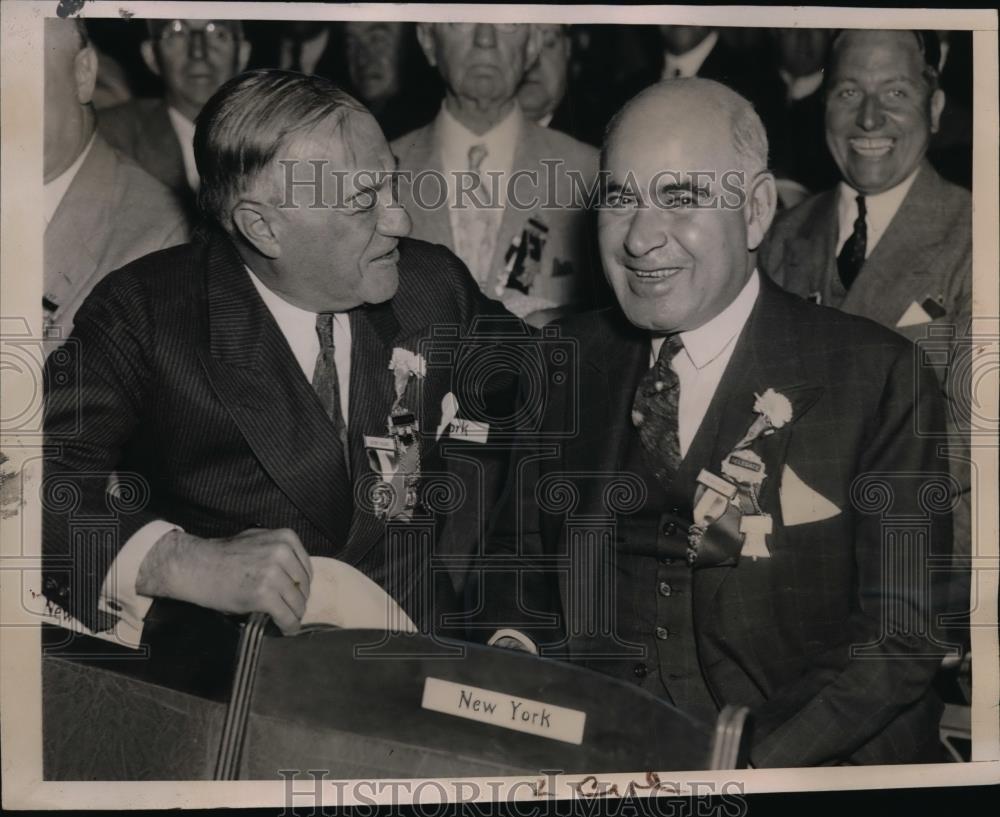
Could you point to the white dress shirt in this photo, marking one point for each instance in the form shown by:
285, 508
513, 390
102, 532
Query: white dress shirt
689, 63
703, 361
881, 208
54, 191
454, 142
184, 128
298, 326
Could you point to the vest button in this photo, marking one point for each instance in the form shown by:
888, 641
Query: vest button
665, 589
662, 633
640, 670
670, 528
666, 560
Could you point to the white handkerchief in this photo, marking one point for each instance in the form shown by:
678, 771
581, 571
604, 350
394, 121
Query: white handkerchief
343, 596
449, 411
914, 315
800, 503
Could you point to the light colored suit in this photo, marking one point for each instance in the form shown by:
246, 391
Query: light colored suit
919, 275
568, 273
113, 212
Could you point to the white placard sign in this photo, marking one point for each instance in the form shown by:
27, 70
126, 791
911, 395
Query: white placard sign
500, 709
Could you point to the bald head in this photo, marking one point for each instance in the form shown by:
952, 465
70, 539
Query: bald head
707, 110
688, 202
70, 75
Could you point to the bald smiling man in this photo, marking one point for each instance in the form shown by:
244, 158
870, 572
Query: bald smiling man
750, 448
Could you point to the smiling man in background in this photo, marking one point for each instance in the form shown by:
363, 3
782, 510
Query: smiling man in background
893, 241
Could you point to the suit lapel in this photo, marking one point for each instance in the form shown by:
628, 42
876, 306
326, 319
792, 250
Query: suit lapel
526, 157
764, 358
78, 226
255, 375
373, 330
899, 268
431, 224
162, 149
813, 252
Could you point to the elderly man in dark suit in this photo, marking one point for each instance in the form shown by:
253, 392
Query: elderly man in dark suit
724, 522
242, 384
523, 232
101, 209
893, 241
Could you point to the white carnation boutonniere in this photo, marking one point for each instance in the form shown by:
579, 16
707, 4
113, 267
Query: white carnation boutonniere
405, 364
774, 411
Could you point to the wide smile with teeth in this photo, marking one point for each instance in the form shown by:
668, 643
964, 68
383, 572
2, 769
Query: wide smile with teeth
872, 148
655, 274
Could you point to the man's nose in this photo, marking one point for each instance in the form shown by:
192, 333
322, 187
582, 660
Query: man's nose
870, 114
485, 35
197, 44
646, 232
393, 219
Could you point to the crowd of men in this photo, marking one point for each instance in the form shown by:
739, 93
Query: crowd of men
243, 375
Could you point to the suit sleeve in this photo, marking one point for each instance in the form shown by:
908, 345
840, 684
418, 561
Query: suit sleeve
834, 710
95, 388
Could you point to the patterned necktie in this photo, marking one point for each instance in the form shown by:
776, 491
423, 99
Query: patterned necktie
852, 255
654, 412
476, 237
327, 388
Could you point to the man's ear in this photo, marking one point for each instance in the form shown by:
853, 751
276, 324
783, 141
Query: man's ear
85, 74
425, 36
149, 56
256, 223
936, 108
243, 56
762, 202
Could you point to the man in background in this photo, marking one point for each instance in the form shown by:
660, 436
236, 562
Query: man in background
531, 253
193, 58
893, 240
101, 210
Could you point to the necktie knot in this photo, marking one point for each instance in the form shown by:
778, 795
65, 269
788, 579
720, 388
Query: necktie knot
862, 207
324, 329
672, 346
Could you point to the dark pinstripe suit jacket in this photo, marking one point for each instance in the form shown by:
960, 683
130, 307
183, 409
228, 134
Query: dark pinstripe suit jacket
178, 380
827, 640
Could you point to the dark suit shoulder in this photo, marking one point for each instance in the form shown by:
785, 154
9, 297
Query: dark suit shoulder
819, 327
803, 215
126, 121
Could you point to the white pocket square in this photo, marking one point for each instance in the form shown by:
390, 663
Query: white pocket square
800, 504
449, 411
456, 427
914, 315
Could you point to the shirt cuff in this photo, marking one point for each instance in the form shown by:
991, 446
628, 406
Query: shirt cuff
518, 636
118, 595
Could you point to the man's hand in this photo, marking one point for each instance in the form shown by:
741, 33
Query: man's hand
256, 571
